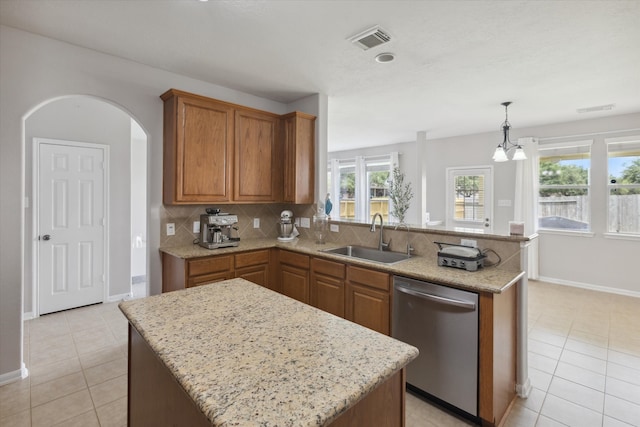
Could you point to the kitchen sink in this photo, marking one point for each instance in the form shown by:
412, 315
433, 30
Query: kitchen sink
368, 254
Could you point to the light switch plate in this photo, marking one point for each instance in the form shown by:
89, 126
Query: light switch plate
335, 228
196, 226
504, 203
256, 222
171, 229
305, 222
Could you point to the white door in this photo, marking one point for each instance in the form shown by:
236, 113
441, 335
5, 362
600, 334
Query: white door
70, 224
470, 198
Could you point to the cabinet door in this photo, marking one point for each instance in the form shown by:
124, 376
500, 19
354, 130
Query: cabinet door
294, 282
197, 148
257, 174
327, 294
327, 286
299, 158
258, 274
368, 307
209, 278
368, 300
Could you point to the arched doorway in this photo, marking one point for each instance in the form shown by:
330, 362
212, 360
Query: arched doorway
86, 119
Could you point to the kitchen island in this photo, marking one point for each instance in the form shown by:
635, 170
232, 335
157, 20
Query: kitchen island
235, 353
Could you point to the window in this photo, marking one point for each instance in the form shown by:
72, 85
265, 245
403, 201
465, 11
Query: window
361, 185
623, 163
563, 199
469, 198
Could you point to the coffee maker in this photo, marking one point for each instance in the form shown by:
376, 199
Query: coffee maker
215, 229
286, 227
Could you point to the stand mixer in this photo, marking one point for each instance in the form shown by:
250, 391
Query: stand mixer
287, 228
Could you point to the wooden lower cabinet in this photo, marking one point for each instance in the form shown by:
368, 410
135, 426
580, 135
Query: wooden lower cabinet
293, 275
155, 398
254, 267
327, 286
179, 273
368, 299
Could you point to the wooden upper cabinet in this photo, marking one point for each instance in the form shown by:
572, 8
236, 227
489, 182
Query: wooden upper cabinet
257, 175
299, 157
198, 144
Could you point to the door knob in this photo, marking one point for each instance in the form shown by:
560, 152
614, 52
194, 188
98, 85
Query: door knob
46, 237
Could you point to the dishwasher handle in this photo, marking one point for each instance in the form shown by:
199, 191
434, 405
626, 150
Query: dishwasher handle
443, 300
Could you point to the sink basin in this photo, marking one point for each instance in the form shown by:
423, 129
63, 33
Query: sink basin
368, 254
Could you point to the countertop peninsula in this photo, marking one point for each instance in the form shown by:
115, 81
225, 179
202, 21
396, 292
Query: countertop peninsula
250, 356
488, 279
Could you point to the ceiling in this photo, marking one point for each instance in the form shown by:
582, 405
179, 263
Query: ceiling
456, 61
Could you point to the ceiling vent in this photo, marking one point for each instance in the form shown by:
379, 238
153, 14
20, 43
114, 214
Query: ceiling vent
596, 108
370, 38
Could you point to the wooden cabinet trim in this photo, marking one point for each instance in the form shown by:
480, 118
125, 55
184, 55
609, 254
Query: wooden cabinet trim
371, 278
329, 268
212, 264
247, 259
293, 258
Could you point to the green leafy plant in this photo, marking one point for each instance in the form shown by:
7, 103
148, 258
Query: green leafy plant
400, 195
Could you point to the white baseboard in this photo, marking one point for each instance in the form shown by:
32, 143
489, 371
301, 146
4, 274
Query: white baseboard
590, 287
17, 375
119, 297
28, 315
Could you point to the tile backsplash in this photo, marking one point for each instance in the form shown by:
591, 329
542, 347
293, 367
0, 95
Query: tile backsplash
269, 215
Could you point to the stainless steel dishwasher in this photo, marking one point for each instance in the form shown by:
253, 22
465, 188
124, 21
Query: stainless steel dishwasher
442, 323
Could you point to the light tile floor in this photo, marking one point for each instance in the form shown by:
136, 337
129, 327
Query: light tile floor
584, 359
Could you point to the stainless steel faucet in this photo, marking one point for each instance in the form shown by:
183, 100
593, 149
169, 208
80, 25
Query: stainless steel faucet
382, 246
409, 247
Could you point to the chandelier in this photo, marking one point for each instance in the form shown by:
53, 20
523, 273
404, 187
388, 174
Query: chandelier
500, 155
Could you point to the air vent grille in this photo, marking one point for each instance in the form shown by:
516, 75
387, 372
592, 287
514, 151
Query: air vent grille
370, 38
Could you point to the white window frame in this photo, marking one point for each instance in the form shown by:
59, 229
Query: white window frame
469, 225
567, 145
610, 142
362, 165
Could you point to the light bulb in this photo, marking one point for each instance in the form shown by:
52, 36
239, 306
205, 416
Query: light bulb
519, 154
500, 155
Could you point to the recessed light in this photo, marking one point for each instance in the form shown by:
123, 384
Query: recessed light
383, 58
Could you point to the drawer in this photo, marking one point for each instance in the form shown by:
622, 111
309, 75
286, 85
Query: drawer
214, 264
373, 279
248, 259
328, 268
295, 259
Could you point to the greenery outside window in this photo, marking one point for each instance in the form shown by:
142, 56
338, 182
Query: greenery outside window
623, 163
563, 199
361, 185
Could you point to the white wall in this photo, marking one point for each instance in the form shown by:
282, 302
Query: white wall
138, 201
35, 69
85, 119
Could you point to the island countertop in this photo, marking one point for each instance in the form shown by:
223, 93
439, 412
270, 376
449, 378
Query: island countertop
250, 356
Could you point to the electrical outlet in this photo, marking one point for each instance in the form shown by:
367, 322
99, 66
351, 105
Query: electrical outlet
335, 228
305, 222
256, 222
469, 242
171, 229
196, 226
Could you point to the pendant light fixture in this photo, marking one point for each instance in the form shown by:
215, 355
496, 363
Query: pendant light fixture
500, 155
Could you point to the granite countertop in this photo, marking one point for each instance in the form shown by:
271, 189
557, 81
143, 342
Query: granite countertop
246, 363
489, 279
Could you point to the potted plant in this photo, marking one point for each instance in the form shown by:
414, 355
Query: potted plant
400, 195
